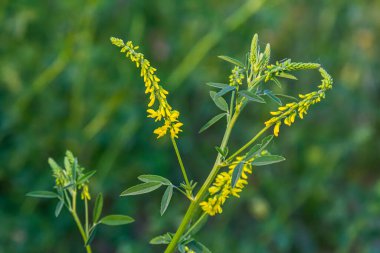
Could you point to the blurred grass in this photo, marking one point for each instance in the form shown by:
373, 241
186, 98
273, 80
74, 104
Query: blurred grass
64, 86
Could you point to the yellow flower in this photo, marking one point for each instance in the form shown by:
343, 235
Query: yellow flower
222, 189
85, 192
157, 94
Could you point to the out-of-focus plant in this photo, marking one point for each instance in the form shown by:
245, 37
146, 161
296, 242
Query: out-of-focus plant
69, 182
249, 82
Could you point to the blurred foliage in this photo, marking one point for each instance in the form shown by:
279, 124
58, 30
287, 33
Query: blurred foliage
64, 86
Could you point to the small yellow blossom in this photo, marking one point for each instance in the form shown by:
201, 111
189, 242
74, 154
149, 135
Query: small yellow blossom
156, 93
85, 192
222, 189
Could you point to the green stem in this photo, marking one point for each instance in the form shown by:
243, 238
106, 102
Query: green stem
81, 230
86, 215
180, 162
248, 144
77, 220
199, 197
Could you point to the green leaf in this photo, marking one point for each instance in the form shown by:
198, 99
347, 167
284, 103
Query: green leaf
141, 188
259, 147
166, 199
237, 173
154, 178
265, 142
42, 194
277, 82
217, 85
58, 208
161, 239
98, 208
116, 219
267, 159
219, 101
232, 60
212, 121
204, 249
196, 246
272, 96
286, 75
224, 91
91, 235
253, 151
224, 152
251, 96
83, 179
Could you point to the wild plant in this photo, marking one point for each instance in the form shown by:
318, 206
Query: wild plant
250, 83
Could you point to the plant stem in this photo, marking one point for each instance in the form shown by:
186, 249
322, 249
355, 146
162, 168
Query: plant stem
198, 198
249, 143
86, 215
77, 221
180, 162
81, 230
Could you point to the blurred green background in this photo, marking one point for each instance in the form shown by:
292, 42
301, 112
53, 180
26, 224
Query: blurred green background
64, 86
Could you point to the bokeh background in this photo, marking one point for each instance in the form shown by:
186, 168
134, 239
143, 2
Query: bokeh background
64, 86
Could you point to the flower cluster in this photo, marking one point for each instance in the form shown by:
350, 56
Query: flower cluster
222, 188
157, 94
280, 67
288, 113
236, 77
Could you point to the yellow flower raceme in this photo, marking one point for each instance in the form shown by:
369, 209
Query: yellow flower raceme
158, 107
287, 114
222, 189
